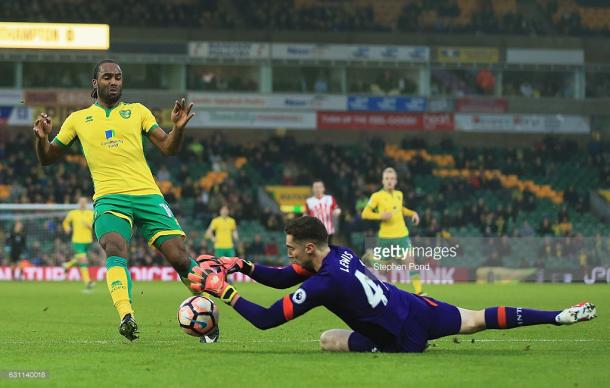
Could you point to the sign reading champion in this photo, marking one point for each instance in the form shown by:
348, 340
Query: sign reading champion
55, 36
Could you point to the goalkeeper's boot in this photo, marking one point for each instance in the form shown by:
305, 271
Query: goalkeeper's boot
211, 336
129, 328
584, 311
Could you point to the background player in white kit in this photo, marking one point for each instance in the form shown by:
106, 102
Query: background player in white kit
324, 207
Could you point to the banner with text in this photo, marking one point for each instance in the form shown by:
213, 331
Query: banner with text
513, 123
346, 52
138, 273
481, 105
308, 102
10, 97
385, 121
254, 119
467, 55
16, 115
385, 104
229, 50
540, 56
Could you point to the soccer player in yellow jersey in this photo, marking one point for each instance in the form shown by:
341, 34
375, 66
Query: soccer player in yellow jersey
223, 231
111, 133
386, 206
79, 222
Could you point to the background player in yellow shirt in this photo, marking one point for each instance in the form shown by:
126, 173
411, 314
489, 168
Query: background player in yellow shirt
110, 133
79, 222
223, 232
386, 206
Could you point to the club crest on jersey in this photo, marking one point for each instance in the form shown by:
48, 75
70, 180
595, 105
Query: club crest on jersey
125, 113
299, 296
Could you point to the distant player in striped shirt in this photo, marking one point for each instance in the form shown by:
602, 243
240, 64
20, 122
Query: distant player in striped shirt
324, 207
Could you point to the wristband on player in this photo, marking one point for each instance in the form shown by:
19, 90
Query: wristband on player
228, 294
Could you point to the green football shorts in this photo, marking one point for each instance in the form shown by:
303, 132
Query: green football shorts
119, 213
402, 242
226, 252
393, 248
80, 248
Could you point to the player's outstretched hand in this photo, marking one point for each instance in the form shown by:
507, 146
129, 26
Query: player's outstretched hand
181, 114
42, 126
210, 281
235, 264
415, 218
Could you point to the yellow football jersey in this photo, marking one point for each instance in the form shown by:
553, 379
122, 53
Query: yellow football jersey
111, 140
384, 201
223, 228
80, 221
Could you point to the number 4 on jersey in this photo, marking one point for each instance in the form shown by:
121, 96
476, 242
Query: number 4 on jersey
374, 293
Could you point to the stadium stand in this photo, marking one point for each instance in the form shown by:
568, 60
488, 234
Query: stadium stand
541, 17
458, 191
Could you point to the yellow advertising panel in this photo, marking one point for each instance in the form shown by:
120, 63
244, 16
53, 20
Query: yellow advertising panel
467, 55
290, 198
55, 36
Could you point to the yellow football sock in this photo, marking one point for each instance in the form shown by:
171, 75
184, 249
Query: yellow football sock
119, 285
415, 279
71, 263
84, 273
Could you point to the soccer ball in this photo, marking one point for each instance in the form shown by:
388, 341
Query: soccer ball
198, 316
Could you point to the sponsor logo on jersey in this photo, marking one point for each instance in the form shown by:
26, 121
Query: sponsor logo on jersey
110, 142
89, 119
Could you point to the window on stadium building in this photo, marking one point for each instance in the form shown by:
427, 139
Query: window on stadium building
462, 82
55, 74
598, 85
210, 78
149, 76
382, 81
538, 83
7, 74
307, 79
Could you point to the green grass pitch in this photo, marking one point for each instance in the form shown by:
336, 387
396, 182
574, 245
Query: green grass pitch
73, 336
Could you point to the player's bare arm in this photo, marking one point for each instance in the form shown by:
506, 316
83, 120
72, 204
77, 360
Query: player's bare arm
209, 234
46, 152
170, 143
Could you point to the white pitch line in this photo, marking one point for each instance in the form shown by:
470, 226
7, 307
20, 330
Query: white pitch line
539, 340
102, 342
286, 341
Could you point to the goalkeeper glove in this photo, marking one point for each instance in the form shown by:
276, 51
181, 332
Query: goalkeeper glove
235, 264
215, 283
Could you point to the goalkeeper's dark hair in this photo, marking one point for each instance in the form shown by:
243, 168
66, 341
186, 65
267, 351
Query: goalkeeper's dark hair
96, 72
307, 228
